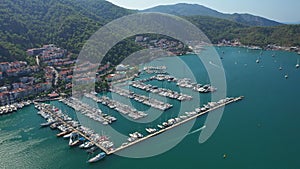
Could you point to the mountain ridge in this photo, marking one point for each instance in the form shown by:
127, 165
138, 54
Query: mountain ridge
185, 9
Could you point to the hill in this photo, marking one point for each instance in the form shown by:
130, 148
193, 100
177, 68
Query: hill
67, 23
183, 9
218, 29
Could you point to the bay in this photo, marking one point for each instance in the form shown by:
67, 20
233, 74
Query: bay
260, 132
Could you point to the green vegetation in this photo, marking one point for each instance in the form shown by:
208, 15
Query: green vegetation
69, 23
183, 9
285, 35
218, 29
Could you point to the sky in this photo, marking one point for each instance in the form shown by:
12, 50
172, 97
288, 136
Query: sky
286, 11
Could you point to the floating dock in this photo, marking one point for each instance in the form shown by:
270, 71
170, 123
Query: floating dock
62, 121
174, 125
161, 91
142, 99
120, 107
108, 151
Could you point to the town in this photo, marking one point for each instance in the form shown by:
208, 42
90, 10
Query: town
52, 72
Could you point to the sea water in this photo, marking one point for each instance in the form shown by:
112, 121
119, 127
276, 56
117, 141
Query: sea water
259, 132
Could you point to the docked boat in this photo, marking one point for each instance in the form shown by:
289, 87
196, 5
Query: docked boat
151, 130
47, 123
63, 133
73, 139
86, 145
97, 157
92, 149
67, 135
89, 145
160, 126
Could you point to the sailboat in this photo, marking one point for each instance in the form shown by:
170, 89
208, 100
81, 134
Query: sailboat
257, 60
297, 65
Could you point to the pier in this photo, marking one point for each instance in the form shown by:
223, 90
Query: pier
161, 91
85, 109
87, 133
174, 125
184, 83
74, 129
142, 99
120, 107
13, 107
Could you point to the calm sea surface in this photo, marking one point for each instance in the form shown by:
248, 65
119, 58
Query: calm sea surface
260, 132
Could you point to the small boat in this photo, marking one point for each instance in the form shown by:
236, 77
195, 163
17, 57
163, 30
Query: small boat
97, 157
67, 135
90, 144
83, 144
74, 143
46, 124
297, 65
286, 76
160, 126
73, 139
92, 149
63, 133
280, 68
86, 145
257, 60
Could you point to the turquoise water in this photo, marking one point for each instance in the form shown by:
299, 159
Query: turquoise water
260, 132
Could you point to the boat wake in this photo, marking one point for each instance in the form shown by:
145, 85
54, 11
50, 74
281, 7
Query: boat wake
199, 129
215, 65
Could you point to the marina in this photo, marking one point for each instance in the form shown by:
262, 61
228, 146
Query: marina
185, 83
86, 138
161, 91
142, 99
24, 143
155, 69
78, 133
13, 107
85, 109
120, 107
172, 123
65, 123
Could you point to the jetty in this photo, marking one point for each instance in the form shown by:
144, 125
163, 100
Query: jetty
85, 109
13, 107
221, 104
142, 99
184, 83
120, 107
161, 91
67, 125
57, 116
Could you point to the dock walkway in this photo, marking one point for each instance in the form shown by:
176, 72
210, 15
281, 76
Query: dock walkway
175, 125
75, 130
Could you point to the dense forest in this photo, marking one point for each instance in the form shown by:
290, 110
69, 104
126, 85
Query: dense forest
218, 29
184, 9
69, 23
